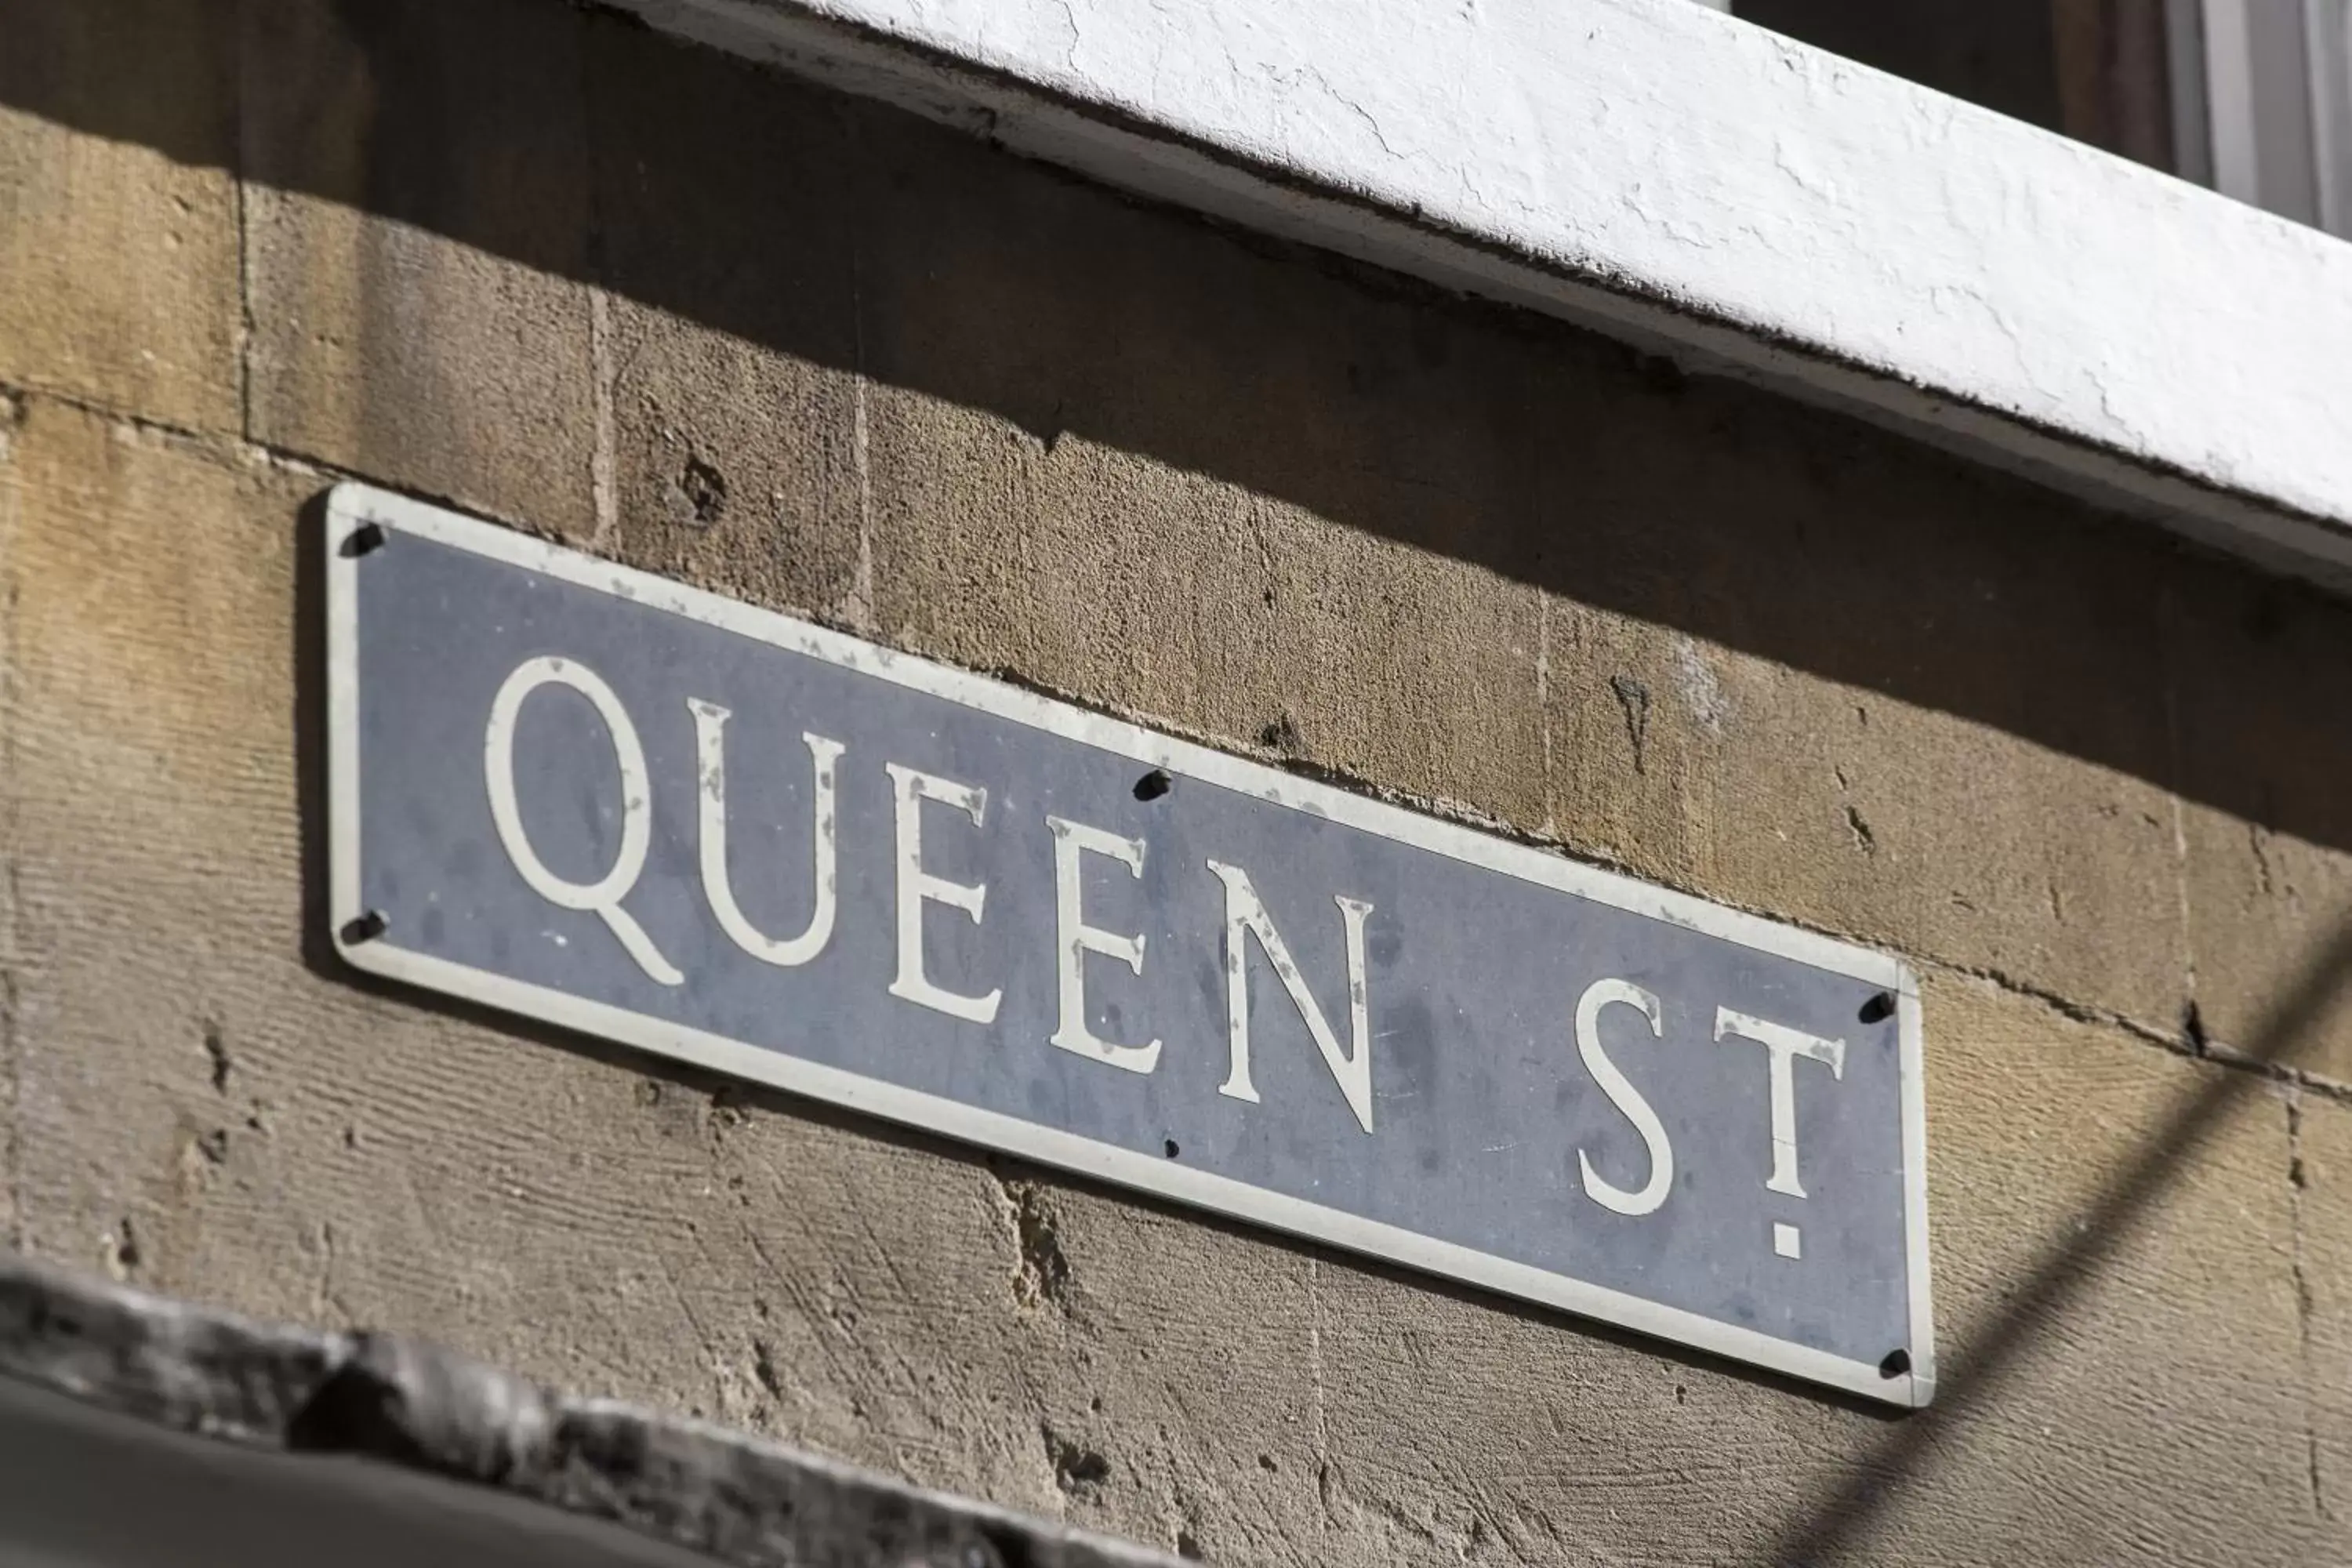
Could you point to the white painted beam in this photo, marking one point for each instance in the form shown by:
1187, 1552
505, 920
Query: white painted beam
1665, 171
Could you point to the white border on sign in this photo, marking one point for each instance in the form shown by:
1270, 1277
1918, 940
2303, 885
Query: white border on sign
352, 505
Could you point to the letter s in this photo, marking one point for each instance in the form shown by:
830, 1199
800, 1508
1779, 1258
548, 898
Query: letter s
1624, 1097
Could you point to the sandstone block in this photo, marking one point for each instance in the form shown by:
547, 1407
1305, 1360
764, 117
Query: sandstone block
2098, 1418
2323, 1173
203, 1109
1835, 805
728, 241
1181, 479
2266, 740
118, 208
1014, 421
419, 207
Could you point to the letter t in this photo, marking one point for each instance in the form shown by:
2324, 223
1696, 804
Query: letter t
1786, 1044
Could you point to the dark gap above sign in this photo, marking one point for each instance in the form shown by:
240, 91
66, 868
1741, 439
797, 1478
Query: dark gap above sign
592, 797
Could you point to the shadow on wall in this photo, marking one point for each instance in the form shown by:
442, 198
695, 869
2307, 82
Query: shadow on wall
847, 234
1834, 1526
854, 237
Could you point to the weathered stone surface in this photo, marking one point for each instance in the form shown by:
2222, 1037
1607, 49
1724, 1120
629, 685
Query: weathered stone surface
864, 369
203, 1111
2265, 908
729, 245
1245, 621
829, 326
1005, 418
1806, 671
2110, 1401
417, 200
415, 1405
2324, 1277
118, 207
150, 588
1105, 398
796, 433
11, 944
1834, 805
2104, 1422
2264, 692
207, 1114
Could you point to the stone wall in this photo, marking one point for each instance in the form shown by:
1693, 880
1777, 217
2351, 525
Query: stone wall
534, 261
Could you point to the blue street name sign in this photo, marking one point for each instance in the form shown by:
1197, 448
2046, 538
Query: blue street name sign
601, 799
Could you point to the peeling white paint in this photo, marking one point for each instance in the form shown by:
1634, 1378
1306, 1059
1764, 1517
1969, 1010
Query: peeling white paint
1667, 171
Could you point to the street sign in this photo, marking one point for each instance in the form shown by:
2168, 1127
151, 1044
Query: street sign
601, 799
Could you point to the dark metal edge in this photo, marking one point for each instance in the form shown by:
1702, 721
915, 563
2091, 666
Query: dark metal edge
406, 1402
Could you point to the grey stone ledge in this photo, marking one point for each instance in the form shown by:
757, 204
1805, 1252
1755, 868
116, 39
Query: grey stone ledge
401, 1403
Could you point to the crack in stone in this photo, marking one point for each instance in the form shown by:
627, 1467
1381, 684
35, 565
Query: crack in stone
1634, 698
2298, 1182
